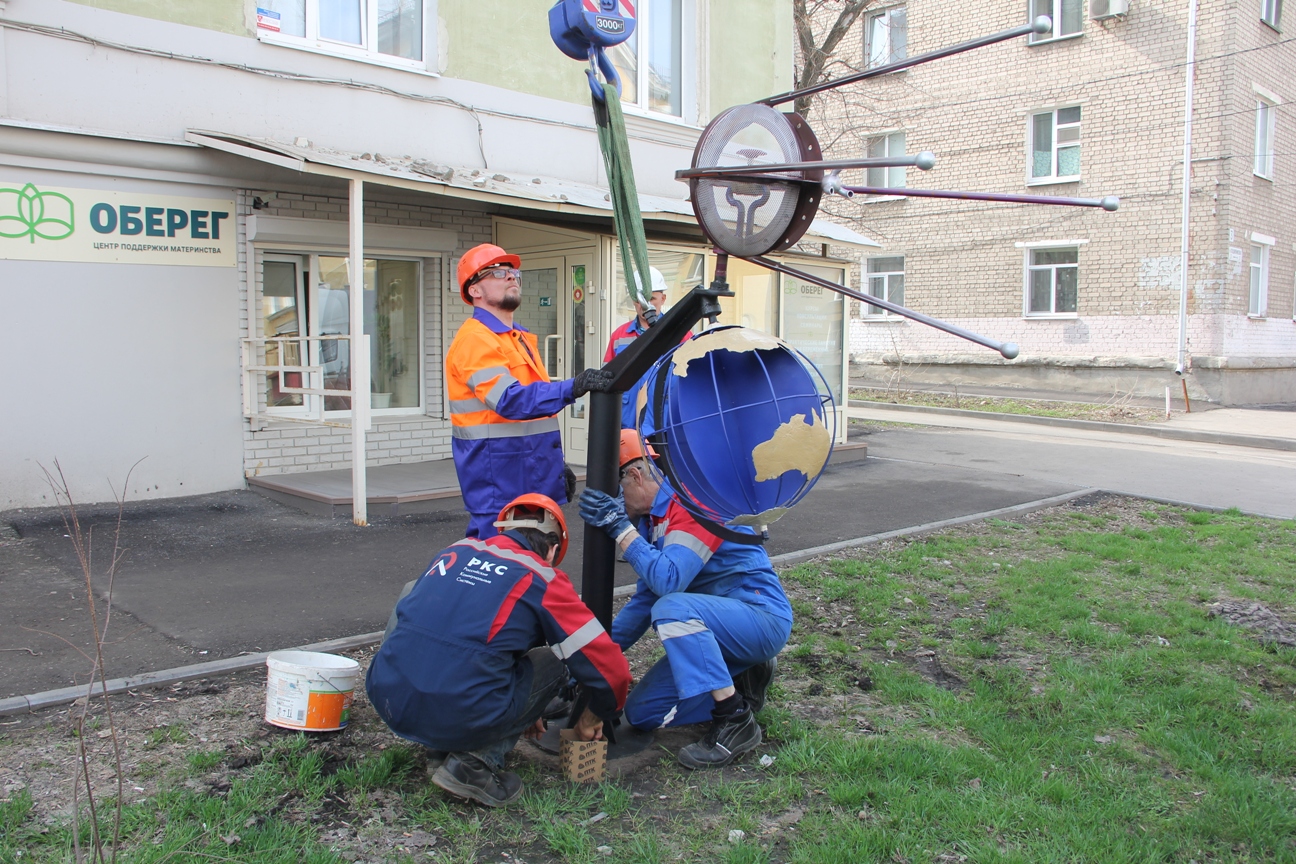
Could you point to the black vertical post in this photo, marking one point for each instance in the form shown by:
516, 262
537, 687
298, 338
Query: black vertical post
601, 473
603, 469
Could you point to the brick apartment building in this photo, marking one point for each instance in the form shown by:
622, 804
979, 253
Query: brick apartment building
1094, 108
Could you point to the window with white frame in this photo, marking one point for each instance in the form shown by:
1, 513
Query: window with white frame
1055, 145
652, 62
305, 306
886, 36
1266, 114
1052, 281
1258, 299
1067, 17
386, 31
885, 278
891, 144
1271, 13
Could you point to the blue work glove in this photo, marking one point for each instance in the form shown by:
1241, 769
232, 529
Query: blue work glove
601, 510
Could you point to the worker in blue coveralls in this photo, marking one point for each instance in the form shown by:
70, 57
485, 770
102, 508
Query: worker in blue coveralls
717, 606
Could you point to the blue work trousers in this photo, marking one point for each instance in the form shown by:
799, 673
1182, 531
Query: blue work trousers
482, 525
708, 640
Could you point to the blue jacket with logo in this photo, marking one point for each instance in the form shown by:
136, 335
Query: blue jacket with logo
449, 672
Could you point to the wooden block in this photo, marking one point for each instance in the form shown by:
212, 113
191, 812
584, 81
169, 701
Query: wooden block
582, 761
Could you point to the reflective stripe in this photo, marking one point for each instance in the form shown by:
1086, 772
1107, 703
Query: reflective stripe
672, 629
467, 406
670, 715
544, 572
588, 632
689, 542
497, 392
505, 430
619, 344
659, 530
481, 376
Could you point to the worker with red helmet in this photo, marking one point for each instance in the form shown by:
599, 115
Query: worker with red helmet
503, 407
480, 644
716, 605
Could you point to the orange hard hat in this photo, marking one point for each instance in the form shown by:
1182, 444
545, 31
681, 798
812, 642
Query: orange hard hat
479, 258
537, 511
633, 447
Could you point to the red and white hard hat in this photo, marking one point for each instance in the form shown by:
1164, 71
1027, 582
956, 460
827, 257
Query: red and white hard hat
479, 258
537, 511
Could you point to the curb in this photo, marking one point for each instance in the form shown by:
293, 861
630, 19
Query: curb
1200, 436
65, 695
1029, 507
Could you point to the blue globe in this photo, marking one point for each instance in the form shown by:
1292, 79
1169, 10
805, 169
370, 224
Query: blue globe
745, 421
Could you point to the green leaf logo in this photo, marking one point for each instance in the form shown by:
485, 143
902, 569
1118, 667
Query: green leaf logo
28, 212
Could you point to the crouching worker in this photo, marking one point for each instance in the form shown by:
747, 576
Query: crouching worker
482, 642
717, 606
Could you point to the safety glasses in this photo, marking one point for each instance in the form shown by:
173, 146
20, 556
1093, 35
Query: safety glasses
498, 273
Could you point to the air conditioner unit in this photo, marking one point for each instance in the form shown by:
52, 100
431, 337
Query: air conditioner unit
1099, 9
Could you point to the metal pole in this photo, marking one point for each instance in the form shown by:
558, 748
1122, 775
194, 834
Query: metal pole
1189, 73
1039, 25
359, 357
602, 473
1109, 203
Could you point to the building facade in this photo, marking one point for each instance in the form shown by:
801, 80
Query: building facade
181, 185
1094, 108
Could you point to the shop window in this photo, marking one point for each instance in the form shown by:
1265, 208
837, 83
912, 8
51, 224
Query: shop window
309, 297
814, 322
384, 31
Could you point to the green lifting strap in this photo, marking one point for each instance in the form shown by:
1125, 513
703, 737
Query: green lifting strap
626, 215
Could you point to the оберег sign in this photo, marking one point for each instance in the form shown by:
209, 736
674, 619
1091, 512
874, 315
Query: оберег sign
47, 223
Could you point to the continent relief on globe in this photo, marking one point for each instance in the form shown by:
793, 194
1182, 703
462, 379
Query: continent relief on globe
736, 339
795, 446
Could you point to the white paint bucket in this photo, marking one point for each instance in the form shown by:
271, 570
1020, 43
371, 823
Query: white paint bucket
309, 691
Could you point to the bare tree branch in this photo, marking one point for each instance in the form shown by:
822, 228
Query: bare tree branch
815, 54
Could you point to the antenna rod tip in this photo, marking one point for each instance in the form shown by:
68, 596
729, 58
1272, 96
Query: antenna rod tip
1009, 350
1041, 25
926, 160
1111, 203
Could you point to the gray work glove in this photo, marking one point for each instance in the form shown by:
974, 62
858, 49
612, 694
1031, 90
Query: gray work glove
597, 380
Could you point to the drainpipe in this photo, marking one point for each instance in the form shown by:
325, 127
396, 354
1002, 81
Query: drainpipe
1190, 70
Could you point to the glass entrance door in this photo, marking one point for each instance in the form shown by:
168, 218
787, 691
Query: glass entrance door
554, 303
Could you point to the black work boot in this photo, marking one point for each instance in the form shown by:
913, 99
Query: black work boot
466, 776
752, 683
730, 736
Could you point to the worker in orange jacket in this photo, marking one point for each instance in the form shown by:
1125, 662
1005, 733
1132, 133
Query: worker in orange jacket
503, 407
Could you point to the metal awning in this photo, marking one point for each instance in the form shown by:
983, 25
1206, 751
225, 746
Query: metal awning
474, 184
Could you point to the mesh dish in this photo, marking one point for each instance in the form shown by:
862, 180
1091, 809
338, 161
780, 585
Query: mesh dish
746, 217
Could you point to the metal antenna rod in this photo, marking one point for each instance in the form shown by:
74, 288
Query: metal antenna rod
1008, 349
923, 161
1040, 25
1109, 203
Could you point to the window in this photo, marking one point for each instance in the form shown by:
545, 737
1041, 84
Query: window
1258, 300
387, 31
1055, 145
886, 37
1067, 17
1052, 281
886, 280
1264, 138
657, 85
812, 322
887, 145
296, 307
1271, 13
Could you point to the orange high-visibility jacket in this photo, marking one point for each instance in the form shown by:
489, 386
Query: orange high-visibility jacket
506, 438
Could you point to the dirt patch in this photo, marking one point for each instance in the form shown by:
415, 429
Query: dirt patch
1269, 628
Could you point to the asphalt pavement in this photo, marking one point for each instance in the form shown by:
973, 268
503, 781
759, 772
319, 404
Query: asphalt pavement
219, 575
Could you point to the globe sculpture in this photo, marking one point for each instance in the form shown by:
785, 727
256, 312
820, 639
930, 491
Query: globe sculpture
744, 422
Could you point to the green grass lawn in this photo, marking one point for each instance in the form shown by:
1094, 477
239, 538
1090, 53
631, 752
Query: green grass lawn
1049, 690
